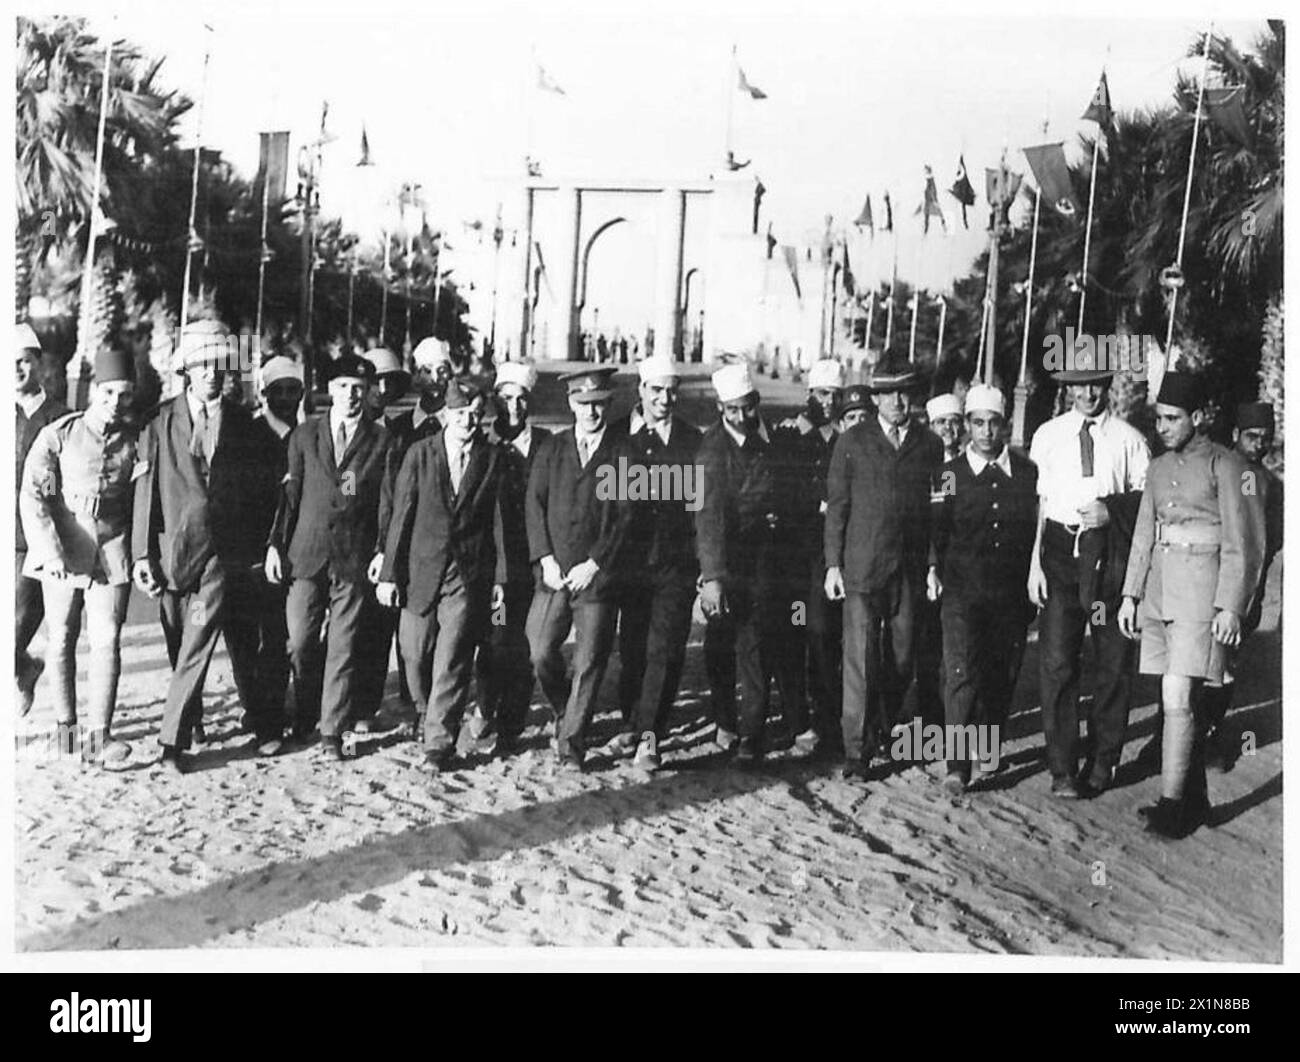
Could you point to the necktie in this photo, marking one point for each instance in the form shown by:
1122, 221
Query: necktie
199, 436
458, 464
1085, 448
584, 451
894, 438
340, 442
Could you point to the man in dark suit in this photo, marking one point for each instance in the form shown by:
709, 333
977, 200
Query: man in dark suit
326, 540
877, 549
983, 540
659, 590
439, 563
196, 541
505, 672
35, 409
574, 536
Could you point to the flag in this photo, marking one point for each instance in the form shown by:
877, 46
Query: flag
846, 271
547, 83
1001, 187
272, 166
1225, 109
889, 214
365, 148
754, 91
792, 263
930, 205
1047, 161
962, 190
1099, 109
865, 218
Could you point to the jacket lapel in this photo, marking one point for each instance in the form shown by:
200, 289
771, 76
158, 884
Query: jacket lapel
325, 443
365, 429
182, 430
478, 458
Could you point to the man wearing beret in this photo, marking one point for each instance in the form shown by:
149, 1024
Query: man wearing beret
35, 409
439, 563
575, 537
505, 672
325, 543
75, 502
1091, 470
659, 588
1198, 551
983, 538
196, 539
877, 552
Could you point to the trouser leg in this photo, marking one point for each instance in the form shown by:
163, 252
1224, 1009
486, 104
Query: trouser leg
929, 662
549, 620
460, 613
784, 626
1060, 639
720, 666
825, 658
374, 647
898, 657
415, 635
342, 675
752, 669
861, 675
105, 611
63, 608
1112, 692
272, 655
304, 617
593, 623
635, 606
202, 616
241, 625
171, 606
29, 610
665, 652
961, 668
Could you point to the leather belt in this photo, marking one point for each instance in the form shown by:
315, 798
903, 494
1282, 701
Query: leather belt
1188, 534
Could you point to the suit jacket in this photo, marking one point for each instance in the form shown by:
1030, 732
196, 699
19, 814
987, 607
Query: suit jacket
183, 519
513, 562
432, 526
984, 531
810, 455
406, 433
878, 505
661, 536
329, 515
565, 516
24, 435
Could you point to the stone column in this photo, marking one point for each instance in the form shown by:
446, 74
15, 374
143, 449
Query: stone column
668, 289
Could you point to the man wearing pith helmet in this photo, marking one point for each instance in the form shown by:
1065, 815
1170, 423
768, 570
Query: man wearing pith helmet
1198, 550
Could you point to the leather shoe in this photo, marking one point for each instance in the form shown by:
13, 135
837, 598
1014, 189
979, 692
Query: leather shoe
954, 785
173, 761
1065, 789
270, 746
568, 763
435, 763
1175, 819
749, 754
855, 770
331, 748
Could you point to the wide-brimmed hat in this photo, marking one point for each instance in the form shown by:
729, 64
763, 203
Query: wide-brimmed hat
895, 373
204, 342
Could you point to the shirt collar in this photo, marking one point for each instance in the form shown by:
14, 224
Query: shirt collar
524, 440
213, 405
740, 439
280, 427
31, 403
1099, 421
636, 422
594, 438
885, 427
979, 464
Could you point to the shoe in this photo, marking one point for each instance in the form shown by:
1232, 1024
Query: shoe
1175, 819
331, 748
1218, 751
65, 738
621, 745
725, 739
647, 753
1095, 782
435, 763
271, 746
954, 784
568, 763
855, 770
200, 736
806, 743
369, 725
1065, 789
98, 747
173, 761
749, 754
28, 672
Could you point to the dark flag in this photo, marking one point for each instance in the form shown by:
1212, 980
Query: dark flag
365, 148
1225, 109
272, 167
865, 218
1047, 161
771, 241
755, 93
963, 190
1002, 186
1099, 109
846, 271
791, 255
889, 214
930, 206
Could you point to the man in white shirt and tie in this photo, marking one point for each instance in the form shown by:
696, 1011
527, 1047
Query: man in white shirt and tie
1092, 467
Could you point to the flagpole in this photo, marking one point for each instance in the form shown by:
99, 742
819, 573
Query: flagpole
194, 187
383, 300
943, 318
1020, 397
1087, 232
262, 257
732, 88
916, 300
893, 290
1187, 193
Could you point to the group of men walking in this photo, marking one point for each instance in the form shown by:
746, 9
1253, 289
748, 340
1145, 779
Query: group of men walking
844, 555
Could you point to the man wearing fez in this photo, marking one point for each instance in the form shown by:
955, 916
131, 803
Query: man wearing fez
877, 551
575, 537
198, 536
659, 589
505, 672
35, 409
439, 563
75, 500
811, 437
1092, 467
325, 544
749, 482
1198, 551
983, 538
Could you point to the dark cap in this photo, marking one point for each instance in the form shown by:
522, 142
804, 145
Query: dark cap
351, 365
1256, 415
113, 363
462, 390
895, 373
590, 385
1181, 389
855, 397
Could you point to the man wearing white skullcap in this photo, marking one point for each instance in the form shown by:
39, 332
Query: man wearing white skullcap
945, 415
741, 534
659, 591
504, 669
983, 539
35, 409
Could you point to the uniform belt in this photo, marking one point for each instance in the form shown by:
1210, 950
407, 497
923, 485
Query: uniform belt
86, 504
1168, 534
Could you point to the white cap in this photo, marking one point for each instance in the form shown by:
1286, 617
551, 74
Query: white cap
826, 373
943, 406
384, 360
517, 372
430, 351
658, 367
989, 399
733, 381
204, 342
26, 338
280, 368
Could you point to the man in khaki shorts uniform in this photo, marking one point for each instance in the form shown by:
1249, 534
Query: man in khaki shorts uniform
1197, 554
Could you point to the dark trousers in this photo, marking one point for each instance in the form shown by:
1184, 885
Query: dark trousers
504, 669
983, 646
438, 653
327, 677
879, 635
192, 622
374, 650
1061, 627
752, 643
654, 624
29, 610
930, 667
825, 658
552, 615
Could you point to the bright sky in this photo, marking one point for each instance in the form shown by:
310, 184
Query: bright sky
856, 104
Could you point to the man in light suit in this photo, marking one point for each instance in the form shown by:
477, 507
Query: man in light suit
195, 538
326, 542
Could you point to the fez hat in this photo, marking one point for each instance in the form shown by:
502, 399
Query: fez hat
1181, 389
430, 351
1256, 415
25, 338
113, 363
589, 385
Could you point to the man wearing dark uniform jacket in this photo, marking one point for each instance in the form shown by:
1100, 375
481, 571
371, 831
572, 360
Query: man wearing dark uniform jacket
659, 588
35, 409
